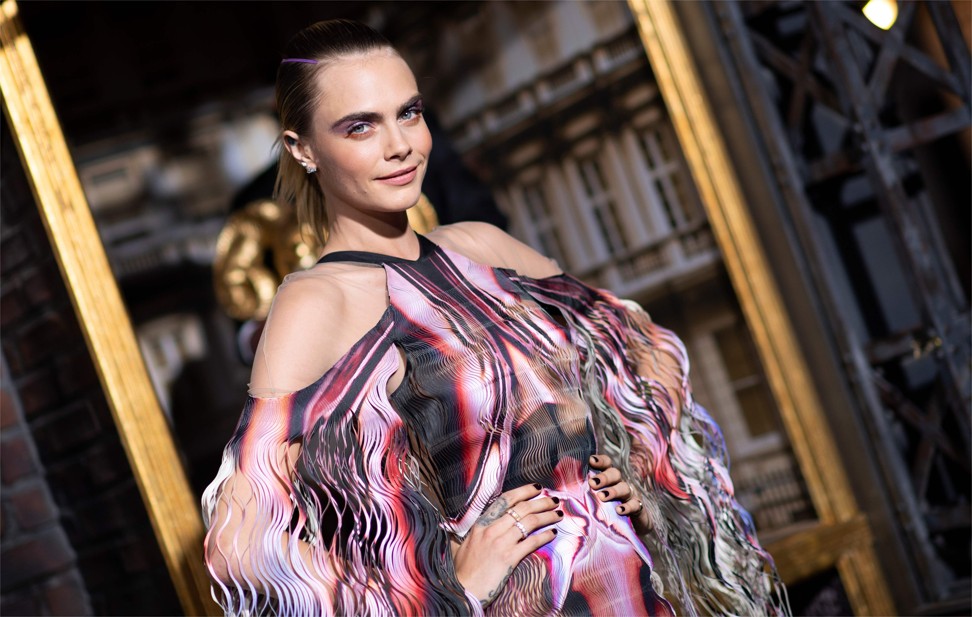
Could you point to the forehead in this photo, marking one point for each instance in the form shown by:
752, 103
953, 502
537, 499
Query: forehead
372, 81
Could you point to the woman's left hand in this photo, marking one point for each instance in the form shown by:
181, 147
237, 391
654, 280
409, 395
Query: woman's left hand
608, 485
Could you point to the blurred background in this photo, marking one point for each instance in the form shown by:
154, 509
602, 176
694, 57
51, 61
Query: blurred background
847, 124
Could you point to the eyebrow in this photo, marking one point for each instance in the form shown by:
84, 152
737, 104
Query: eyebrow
371, 116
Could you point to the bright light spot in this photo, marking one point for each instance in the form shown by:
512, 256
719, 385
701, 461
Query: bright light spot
881, 13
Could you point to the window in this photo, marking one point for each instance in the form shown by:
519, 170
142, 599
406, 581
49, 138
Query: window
666, 173
602, 204
544, 225
542, 38
746, 379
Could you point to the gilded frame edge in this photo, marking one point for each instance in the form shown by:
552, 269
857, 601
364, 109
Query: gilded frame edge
843, 538
104, 321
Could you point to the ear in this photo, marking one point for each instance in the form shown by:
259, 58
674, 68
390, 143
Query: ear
298, 148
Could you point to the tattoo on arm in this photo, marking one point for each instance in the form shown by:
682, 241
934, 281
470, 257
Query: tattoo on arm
495, 592
496, 510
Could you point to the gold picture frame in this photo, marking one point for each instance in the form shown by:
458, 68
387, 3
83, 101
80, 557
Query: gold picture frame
842, 537
142, 427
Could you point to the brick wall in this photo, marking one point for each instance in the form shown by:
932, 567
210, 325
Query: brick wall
74, 536
39, 567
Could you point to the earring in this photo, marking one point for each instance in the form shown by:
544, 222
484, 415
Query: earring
309, 170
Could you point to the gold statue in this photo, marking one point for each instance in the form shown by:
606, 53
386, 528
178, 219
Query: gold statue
261, 243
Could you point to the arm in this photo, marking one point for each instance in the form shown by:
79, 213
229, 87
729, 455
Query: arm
498, 541
312, 512
268, 545
668, 450
252, 553
249, 506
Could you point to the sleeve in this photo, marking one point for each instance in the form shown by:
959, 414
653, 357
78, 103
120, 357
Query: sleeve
315, 511
636, 373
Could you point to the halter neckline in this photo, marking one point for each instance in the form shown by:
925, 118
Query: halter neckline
426, 247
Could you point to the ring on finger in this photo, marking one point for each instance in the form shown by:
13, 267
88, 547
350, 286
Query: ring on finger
522, 529
514, 514
641, 506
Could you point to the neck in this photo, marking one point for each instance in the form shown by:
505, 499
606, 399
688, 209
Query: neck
387, 233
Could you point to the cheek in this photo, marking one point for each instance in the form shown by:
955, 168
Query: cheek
350, 165
423, 142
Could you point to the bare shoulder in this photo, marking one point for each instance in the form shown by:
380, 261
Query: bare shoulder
317, 316
471, 238
487, 244
327, 292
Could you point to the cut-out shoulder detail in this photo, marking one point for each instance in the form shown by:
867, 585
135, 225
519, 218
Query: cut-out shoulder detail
491, 246
320, 314
316, 317
367, 339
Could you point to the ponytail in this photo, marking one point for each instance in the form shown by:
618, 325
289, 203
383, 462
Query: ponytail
296, 186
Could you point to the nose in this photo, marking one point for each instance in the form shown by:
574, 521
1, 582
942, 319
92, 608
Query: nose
397, 144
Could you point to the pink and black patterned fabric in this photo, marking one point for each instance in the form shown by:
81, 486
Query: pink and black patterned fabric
509, 381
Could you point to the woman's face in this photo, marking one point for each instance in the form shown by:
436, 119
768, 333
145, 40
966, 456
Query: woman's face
369, 143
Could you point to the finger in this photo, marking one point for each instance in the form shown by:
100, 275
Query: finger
532, 506
600, 461
620, 492
522, 493
498, 508
533, 542
538, 521
631, 507
606, 478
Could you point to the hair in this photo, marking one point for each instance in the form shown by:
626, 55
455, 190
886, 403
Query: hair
297, 94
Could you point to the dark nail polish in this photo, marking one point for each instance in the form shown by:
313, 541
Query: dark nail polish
554, 530
560, 513
537, 486
621, 509
594, 459
597, 481
605, 494
556, 499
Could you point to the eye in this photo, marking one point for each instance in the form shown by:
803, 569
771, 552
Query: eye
412, 112
358, 129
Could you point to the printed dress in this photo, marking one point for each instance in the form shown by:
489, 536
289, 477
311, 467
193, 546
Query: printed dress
508, 381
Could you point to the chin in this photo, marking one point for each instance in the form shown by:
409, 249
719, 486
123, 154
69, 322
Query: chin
407, 201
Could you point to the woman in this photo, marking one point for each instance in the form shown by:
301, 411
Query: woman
447, 423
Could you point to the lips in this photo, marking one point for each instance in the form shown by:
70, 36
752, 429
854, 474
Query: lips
401, 177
